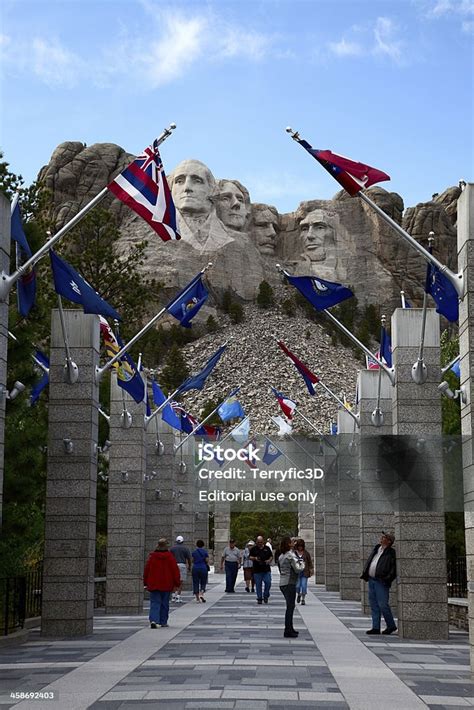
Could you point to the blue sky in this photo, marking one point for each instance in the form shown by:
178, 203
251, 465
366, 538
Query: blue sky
388, 83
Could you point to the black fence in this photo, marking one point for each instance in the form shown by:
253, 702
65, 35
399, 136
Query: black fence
457, 577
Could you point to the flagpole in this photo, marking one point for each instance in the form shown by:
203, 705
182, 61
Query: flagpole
339, 401
402, 298
314, 428
457, 280
419, 372
203, 421
70, 367
300, 446
377, 416
100, 371
7, 281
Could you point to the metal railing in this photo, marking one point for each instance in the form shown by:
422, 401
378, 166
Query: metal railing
457, 577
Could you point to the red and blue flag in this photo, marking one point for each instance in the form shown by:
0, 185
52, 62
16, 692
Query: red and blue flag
144, 188
309, 377
287, 405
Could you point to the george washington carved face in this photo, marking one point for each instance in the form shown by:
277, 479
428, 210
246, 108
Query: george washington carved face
192, 185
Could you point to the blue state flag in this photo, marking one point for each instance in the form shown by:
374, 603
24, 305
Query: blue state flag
386, 347
167, 413
231, 408
26, 284
196, 382
128, 377
320, 293
443, 292
68, 283
188, 302
456, 368
271, 453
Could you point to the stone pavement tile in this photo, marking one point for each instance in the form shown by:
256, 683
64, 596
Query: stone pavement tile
254, 695
447, 701
180, 694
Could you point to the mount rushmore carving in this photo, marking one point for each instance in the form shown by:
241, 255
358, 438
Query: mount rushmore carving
340, 239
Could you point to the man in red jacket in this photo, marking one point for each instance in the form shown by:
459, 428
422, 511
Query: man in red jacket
161, 577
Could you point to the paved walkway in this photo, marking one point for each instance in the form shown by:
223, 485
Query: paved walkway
230, 654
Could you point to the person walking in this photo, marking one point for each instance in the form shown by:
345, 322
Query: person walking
182, 556
247, 565
160, 577
290, 565
261, 557
200, 570
232, 558
302, 583
379, 571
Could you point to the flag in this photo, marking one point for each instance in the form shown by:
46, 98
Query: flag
144, 188
189, 423
284, 426
386, 347
37, 388
271, 453
320, 293
231, 408
287, 405
456, 368
443, 293
351, 175
196, 382
68, 283
26, 285
167, 413
246, 458
309, 378
240, 433
371, 363
333, 429
188, 302
128, 377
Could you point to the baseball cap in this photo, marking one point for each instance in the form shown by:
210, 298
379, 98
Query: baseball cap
180, 538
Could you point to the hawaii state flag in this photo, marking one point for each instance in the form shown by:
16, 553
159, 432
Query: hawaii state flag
351, 175
144, 188
309, 377
287, 405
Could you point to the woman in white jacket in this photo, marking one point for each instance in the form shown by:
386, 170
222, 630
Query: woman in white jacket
290, 567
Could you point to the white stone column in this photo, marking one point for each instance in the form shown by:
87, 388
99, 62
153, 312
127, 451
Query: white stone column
375, 497
419, 509
349, 506
466, 350
71, 486
126, 506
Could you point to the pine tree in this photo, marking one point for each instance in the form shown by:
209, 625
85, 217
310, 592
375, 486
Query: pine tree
265, 297
175, 370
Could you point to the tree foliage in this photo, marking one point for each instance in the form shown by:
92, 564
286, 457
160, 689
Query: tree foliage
265, 296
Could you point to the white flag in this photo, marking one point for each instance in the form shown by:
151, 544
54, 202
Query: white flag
284, 426
240, 433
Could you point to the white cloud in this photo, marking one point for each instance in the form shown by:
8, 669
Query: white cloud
343, 48
385, 39
378, 38
454, 8
468, 27
54, 64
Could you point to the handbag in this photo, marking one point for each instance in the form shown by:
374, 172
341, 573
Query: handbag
208, 568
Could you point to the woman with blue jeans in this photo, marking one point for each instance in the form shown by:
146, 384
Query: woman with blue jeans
302, 583
200, 570
161, 577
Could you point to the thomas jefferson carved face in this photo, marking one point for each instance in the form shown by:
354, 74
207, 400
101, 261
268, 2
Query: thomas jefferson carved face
316, 232
192, 185
265, 227
232, 204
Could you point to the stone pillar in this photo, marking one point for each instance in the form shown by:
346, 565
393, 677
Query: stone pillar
307, 511
331, 526
376, 508
466, 338
70, 516
183, 518
159, 485
126, 506
5, 221
349, 506
419, 512
221, 532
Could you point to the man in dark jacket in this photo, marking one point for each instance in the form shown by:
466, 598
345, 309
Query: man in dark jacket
161, 577
379, 571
